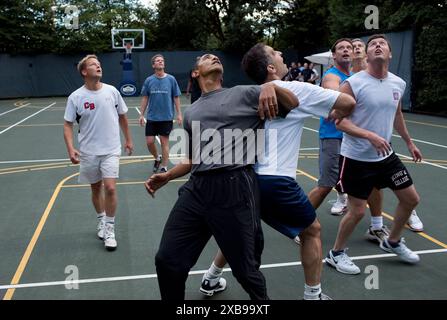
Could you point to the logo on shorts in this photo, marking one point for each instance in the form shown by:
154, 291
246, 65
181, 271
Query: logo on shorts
88, 105
400, 178
396, 95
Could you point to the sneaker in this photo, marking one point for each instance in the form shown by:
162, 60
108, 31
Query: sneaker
100, 228
109, 237
340, 206
297, 240
156, 164
401, 251
377, 235
342, 263
415, 223
212, 286
163, 170
321, 296
324, 297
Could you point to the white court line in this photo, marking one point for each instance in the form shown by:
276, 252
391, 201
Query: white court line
157, 138
60, 160
152, 276
406, 157
313, 130
423, 141
15, 109
424, 162
34, 114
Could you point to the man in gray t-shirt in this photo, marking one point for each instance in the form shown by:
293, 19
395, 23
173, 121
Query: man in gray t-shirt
221, 198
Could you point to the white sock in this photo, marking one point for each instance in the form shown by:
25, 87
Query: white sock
376, 223
100, 215
312, 292
214, 271
342, 197
109, 219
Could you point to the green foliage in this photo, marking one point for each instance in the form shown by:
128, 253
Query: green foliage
39, 26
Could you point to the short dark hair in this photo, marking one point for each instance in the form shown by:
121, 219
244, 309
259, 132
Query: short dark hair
255, 63
378, 36
334, 46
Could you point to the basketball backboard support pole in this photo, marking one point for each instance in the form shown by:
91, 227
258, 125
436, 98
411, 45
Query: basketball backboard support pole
121, 38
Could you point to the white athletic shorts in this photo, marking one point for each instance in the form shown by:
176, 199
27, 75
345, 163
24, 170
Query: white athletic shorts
93, 169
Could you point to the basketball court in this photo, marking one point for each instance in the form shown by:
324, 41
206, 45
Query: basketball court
48, 240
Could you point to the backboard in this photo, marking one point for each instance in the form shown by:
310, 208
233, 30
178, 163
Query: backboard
120, 37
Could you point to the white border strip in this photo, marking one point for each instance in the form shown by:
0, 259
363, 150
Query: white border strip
152, 276
21, 121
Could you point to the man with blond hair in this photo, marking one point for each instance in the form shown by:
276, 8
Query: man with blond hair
100, 111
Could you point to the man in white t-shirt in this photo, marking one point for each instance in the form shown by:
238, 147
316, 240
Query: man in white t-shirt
100, 111
284, 205
368, 161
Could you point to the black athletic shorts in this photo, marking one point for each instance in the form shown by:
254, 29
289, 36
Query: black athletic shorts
358, 178
158, 128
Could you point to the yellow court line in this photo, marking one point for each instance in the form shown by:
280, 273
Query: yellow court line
427, 124
16, 171
422, 234
37, 166
29, 250
20, 103
50, 167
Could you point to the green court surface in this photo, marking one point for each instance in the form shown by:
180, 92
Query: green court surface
48, 225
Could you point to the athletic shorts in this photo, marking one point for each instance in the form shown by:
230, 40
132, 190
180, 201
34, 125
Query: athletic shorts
284, 205
93, 169
329, 158
158, 128
358, 178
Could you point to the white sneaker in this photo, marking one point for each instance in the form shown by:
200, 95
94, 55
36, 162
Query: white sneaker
342, 263
109, 237
341, 205
100, 228
401, 251
377, 235
415, 223
211, 286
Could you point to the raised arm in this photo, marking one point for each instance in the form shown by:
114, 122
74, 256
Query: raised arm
274, 99
401, 128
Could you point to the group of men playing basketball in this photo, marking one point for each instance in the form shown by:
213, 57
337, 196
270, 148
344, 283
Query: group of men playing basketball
227, 199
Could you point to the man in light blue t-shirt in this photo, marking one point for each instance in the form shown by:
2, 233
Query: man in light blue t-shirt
160, 93
330, 137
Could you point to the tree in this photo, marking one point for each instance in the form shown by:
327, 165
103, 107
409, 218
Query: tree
26, 26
